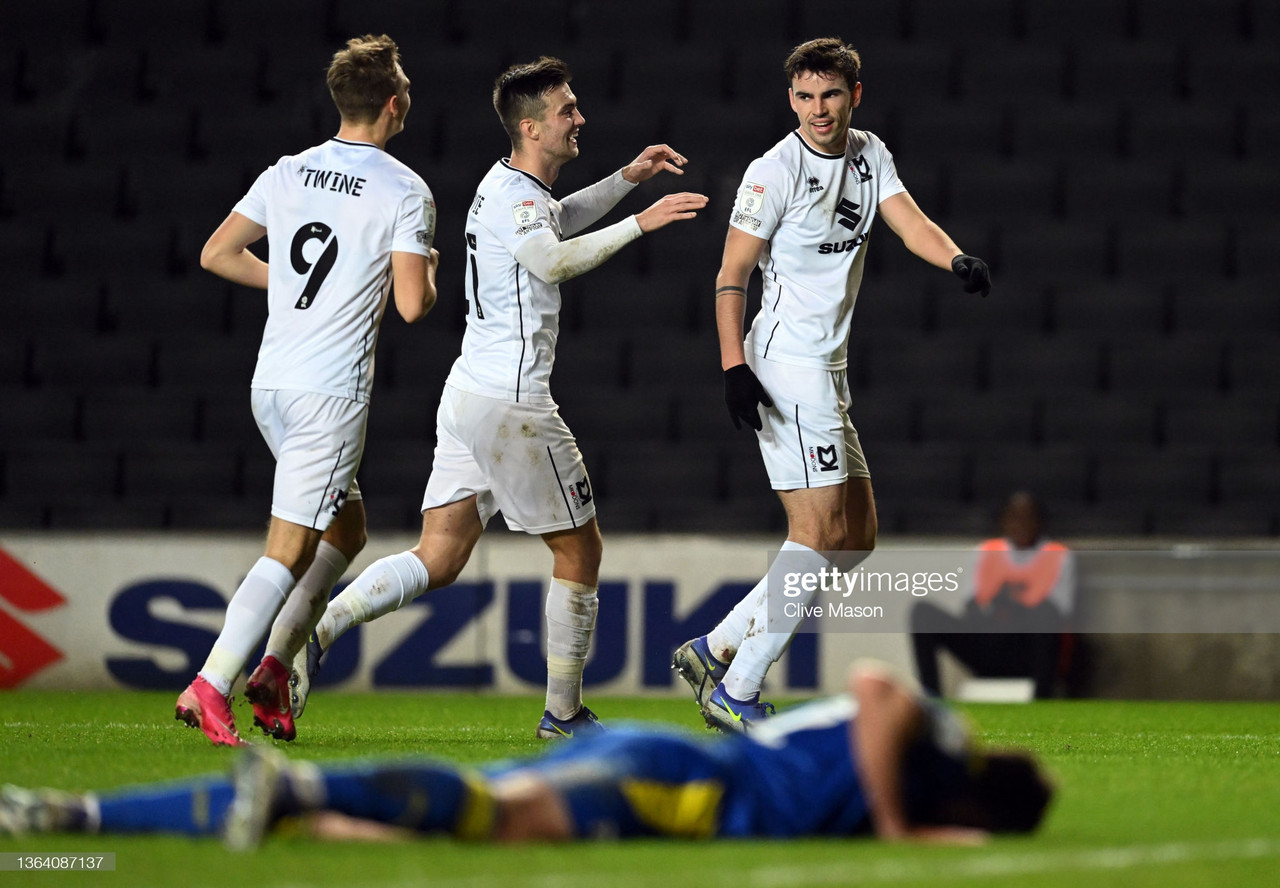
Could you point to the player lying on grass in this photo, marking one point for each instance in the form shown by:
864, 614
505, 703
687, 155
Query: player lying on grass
878, 761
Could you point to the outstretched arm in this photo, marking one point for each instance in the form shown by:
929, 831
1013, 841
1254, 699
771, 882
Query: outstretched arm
923, 237
584, 208
226, 252
889, 718
558, 261
919, 233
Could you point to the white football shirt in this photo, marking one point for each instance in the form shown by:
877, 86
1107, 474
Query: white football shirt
513, 317
333, 214
815, 210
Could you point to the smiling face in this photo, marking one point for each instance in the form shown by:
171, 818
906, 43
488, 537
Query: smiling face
557, 129
823, 104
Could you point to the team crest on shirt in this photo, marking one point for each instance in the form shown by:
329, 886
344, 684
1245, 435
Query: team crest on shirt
861, 167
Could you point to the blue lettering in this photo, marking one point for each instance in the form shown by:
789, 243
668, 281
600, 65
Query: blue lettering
526, 621
131, 618
524, 631
663, 633
413, 663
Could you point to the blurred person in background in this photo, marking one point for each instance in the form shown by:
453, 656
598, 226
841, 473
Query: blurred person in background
1023, 591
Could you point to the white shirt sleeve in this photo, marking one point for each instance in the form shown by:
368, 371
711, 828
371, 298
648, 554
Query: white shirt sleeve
415, 220
887, 172
556, 261
584, 208
253, 205
762, 198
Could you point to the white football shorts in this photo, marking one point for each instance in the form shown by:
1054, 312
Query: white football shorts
317, 441
808, 439
518, 459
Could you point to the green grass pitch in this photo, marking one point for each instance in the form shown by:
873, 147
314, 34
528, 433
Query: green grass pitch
1155, 794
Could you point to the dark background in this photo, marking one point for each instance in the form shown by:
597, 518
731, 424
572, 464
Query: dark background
1113, 160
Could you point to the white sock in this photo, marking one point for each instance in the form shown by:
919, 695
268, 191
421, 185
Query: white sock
725, 639
764, 644
307, 603
571, 616
386, 585
250, 612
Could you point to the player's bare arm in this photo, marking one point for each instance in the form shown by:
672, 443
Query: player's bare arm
923, 237
743, 392
653, 160
741, 253
414, 283
919, 233
889, 718
227, 255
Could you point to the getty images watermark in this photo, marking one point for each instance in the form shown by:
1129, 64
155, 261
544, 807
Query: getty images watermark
1188, 589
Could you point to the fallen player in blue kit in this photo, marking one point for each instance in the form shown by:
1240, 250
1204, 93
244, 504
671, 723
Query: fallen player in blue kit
878, 761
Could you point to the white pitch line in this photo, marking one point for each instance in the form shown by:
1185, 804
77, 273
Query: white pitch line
851, 872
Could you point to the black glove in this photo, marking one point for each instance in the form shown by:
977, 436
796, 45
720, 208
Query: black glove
742, 393
974, 272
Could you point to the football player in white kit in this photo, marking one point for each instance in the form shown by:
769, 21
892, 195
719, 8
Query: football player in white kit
344, 220
802, 216
501, 444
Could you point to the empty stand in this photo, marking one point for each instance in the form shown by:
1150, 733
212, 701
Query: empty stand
1004, 191
897, 363
1153, 480
1079, 133
1243, 308
1076, 21
1140, 73
1047, 364
1100, 193
976, 418
1249, 420
1140, 362
1092, 421
1056, 250
131, 417
1058, 473
1111, 305
94, 363
32, 416
1023, 75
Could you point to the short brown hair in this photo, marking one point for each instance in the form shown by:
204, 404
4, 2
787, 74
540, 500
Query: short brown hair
825, 55
363, 76
518, 92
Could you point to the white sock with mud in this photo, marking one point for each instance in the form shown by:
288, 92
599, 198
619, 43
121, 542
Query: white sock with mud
386, 585
251, 610
307, 603
571, 617
766, 641
725, 639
